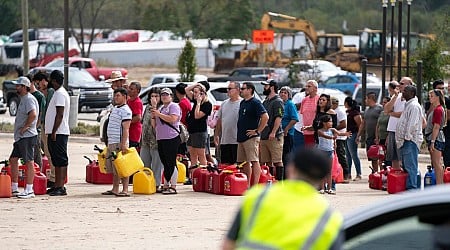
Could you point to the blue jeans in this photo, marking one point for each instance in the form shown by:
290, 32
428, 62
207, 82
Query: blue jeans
410, 154
352, 154
299, 140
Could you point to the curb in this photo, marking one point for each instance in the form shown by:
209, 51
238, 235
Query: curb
72, 138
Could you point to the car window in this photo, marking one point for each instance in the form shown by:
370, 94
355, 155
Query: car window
220, 94
80, 76
169, 79
258, 72
241, 72
408, 233
56, 63
87, 65
157, 80
330, 80
345, 79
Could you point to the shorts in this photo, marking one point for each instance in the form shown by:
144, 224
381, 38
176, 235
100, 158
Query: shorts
58, 150
197, 140
228, 153
392, 152
271, 150
24, 148
438, 145
248, 150
109, 164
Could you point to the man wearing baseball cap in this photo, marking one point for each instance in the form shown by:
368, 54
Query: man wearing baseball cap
25, 138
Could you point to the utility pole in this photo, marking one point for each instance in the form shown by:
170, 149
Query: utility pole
26, 50
66, 44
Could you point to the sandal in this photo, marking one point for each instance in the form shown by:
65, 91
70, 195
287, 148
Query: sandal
159, 190
122, 194
170, 190
109, 192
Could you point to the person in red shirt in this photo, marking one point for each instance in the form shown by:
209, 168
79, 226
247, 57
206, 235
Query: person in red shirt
185, 104
135, 104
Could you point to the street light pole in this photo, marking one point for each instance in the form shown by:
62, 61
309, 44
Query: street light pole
26, 50
392, 41
383, 48
399, 42
408, 34
66, 44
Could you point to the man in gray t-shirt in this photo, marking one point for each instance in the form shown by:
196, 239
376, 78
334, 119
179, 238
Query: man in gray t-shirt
225, 133
369, 123
25, 138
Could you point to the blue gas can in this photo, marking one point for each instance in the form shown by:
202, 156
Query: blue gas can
430, 177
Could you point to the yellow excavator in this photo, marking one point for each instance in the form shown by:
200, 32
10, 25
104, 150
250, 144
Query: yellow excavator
325, 46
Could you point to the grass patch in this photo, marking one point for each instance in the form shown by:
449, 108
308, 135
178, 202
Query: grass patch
81, 129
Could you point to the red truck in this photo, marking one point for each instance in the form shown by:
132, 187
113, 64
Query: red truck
88, 64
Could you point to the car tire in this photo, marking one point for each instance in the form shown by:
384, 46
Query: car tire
13, 105
2, 112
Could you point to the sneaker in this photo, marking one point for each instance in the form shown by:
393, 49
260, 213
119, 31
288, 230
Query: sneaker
26, 195
59, 191
15, 193
188, 182
50, 190
357, 178
331, 191
50, 184
322, 191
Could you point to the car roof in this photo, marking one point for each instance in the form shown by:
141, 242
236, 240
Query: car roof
434, 195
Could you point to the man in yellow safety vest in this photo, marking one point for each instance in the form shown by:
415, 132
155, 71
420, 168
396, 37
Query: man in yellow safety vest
289, 215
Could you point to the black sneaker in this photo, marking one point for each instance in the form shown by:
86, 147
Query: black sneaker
50, 190
59, 191
188, 182
50, 184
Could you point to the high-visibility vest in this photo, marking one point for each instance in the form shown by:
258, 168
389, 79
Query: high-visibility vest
291, 215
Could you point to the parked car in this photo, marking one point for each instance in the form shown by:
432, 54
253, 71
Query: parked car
89, 64
346, 83
318, 70
370, 87
3, 107
172, 77
332, 92
262, 73
411, 220
92, 93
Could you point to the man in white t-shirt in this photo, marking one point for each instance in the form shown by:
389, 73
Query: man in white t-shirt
57, 131
299, 141
394, 109
341, 141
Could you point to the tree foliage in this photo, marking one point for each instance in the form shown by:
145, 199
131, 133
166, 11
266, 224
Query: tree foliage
187, 66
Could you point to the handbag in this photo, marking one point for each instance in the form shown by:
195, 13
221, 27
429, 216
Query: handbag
182, 130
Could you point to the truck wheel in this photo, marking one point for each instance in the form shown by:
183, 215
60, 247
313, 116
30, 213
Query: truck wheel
13, 106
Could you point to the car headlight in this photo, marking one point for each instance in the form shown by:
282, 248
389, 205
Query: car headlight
76, 91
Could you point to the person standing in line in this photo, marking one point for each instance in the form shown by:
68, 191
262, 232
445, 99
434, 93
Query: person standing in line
434, 135
369, 124
408, 135
272, 139
135, 104
25, 138
117, 80
57, 131
308, 110
290, 118
118, 134
298, 139
341, 141
41, 101
197, 123
252, 120
381, 130
225, 133
395, 108
269, 216
166, 120
186, 107
149, 145
41, 78
353, 124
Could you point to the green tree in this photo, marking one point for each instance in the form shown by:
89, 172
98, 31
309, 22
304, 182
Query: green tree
187, 65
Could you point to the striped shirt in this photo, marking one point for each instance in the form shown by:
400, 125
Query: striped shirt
409, 126
118, 115
308, 110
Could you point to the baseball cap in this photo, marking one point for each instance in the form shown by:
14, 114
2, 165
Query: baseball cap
270, 82
167, 91
23, 81
334, 100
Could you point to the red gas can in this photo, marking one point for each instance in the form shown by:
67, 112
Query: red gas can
45, 163
40, 183
447, 175
93, 174
396, 181
235, 184
218, 181
199, 179
5, 184
375, 181
266, 177
210, 181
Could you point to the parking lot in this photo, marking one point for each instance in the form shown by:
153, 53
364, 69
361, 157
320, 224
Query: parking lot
85, 219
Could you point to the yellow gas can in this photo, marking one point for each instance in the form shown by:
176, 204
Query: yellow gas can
144, 182
181, 172
102, 160
128, 163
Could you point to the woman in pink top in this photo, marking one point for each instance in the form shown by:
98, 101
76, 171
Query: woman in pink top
166, 121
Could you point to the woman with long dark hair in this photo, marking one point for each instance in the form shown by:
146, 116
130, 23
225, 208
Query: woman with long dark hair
353, 123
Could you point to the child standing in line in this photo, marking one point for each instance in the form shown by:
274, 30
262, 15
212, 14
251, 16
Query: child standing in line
327, 136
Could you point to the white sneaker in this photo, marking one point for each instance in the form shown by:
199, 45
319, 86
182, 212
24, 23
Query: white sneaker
15, 193
25, 195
